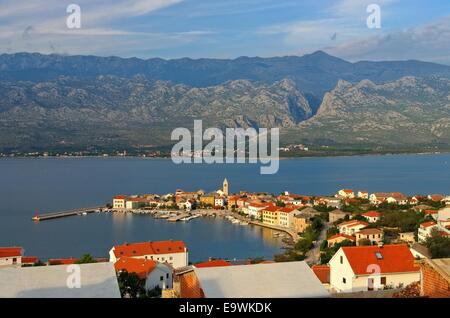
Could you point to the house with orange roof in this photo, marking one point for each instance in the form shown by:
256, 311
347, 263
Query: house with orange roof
362, 194
270, 215
372, 216
435, 197
346, 194
351, 227
154, 273
10, 256
425, 230
175, 253
254, 209
367, 268
389, 197
339, 238
372, 235
286, 216
119, 201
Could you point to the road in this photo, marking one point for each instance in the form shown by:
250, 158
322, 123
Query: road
313, 255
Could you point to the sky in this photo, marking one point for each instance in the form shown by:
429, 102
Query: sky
409, 29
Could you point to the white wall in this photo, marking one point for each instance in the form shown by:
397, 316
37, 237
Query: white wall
154, 279
355, 283
8, 261
339, 271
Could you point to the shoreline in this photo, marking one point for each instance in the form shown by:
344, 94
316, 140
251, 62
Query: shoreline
215, 213
274, 158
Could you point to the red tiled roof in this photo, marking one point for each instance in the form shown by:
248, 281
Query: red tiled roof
370, 231
322, 272
120, 197
30, 259
443, 233
10, 251
190, 286
62, 261
372, 214
352, 223
430, 211
271, 209
348, 237
436, 197
147, 248
213, 263
142, 267
394, 258
428, 224
287, 209
347, 190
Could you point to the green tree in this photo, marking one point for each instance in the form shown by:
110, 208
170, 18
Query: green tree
332, 231
130, 285
86, 259
438, 245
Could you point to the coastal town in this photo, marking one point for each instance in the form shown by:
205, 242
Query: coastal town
350, 244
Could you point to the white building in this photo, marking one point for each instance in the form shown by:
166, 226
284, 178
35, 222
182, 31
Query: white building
286, 216
10, 256
363, 194
219, 201
119, 202
255, 209
351, 227
425, 231
346, 193
156, 274
372, 216
389, 197
366, 268
174, 253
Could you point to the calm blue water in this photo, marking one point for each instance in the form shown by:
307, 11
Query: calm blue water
50, 184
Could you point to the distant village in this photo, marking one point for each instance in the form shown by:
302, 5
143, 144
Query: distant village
350, 244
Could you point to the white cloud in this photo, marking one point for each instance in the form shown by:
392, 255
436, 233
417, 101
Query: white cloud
429, 42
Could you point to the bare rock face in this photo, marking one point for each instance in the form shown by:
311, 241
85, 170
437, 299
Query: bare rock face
96, 110
409, 111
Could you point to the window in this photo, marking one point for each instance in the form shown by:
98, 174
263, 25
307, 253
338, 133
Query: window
383, 281
167, 275
344, 280
342, 260
161, 278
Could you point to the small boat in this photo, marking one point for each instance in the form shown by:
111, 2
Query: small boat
243, 223
234, 221
84, 213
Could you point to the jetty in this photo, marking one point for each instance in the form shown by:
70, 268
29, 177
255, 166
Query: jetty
62, 214
178, 217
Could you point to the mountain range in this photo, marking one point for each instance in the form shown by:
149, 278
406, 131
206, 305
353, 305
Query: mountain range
54, 101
